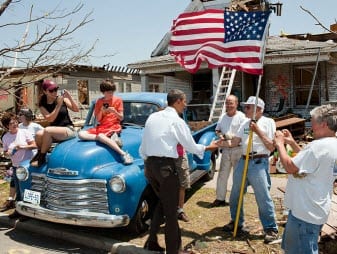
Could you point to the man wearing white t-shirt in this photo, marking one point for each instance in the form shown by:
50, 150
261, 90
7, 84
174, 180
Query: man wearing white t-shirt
258, 168
227, 127
310, 181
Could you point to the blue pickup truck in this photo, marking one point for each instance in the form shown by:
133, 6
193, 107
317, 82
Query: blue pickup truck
85, 183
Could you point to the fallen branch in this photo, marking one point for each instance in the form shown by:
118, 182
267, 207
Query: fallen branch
250, 245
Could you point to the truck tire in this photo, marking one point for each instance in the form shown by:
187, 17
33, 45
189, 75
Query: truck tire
210, 174
141, 220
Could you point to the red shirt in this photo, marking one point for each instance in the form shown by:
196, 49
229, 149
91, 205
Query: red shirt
109, 123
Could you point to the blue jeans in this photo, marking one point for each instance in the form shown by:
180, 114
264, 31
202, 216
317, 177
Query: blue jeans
300, 237
258, 177
16, 185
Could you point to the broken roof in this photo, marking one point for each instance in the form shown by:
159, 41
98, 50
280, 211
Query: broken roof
279, 50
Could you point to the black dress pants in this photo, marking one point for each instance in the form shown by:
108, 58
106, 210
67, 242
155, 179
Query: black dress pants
161, 174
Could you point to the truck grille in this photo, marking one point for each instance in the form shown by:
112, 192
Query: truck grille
87, 195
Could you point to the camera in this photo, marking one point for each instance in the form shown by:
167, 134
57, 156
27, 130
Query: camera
62, 92
105, 105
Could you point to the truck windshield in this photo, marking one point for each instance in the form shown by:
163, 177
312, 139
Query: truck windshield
135, 113
138, 112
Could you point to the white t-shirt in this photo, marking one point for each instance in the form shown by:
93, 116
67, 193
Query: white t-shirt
267, 125
163, 131
32, 127
22, 137
309, 197
230, 124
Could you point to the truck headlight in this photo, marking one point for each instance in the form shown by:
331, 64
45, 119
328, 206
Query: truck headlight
22, 173
117, 184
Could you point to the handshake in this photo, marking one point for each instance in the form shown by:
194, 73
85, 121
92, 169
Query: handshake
226, 136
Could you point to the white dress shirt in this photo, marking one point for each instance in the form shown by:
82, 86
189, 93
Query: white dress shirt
163, 131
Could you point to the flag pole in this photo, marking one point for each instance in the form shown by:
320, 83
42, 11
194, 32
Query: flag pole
245, 169
250, 142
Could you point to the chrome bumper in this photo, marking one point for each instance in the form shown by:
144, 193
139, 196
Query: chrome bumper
88, 219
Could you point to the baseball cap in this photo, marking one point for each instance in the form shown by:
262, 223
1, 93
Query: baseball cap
251, 101
49, 85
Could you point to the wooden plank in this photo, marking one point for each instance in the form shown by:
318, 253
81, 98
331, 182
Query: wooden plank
289, 121
330, 227
327, 230
295, 125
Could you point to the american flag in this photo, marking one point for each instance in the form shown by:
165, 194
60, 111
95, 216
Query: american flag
233, 39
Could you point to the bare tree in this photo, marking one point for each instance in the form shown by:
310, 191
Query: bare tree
319, 23
50, 44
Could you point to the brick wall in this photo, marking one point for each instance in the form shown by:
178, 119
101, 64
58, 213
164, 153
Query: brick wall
278, 80
332, 82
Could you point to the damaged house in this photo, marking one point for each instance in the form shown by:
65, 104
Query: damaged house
22, 87
291, 82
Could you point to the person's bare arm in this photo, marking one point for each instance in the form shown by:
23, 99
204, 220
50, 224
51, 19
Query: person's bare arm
51, 116
286, 161
265, 140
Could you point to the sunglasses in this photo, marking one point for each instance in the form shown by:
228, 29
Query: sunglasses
53, 90
248, 106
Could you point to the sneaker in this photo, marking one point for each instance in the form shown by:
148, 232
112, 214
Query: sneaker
270, 236
9, 204
182, 216
117, 139
230, 228
218, 203
127, 159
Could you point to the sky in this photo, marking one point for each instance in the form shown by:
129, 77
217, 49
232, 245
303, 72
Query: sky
129, 30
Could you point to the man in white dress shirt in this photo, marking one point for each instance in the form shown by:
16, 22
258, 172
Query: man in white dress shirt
163, 131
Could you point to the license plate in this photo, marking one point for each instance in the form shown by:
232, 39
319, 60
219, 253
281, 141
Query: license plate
33, 197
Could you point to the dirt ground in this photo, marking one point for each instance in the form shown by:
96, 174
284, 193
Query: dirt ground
203, 234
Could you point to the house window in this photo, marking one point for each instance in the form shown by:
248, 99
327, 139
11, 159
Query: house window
120, 87
154, 88
128, 87
83, 92
303, 76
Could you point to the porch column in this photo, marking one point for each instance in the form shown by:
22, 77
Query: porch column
215, 80
144, 79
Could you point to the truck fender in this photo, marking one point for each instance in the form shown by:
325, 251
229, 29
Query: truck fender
206, 139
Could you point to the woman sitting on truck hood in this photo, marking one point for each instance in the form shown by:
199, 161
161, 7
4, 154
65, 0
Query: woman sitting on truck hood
54, 108
109, 114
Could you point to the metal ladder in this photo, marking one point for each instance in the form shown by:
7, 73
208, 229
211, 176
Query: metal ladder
222, 91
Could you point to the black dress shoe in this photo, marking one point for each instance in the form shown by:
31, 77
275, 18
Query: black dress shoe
240, 230
182, 216
218, 203
153, 246
14, 215
9, 204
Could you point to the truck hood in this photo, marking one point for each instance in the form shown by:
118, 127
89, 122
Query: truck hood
89, 158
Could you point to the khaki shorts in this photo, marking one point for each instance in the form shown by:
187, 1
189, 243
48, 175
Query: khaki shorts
183, 171
71, 132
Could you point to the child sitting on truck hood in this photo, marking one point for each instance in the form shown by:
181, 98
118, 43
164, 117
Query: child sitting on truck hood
109, 114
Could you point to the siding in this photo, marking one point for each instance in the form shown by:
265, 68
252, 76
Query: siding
175, 83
